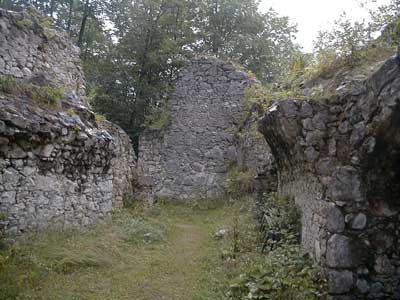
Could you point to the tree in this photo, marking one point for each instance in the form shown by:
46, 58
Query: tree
133, 49
345, 40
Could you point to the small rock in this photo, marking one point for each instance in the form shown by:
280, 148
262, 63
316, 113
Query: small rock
220, 234
47, 150
340, 282
339, 252
359, 222
363, 286
335, 220
147, 237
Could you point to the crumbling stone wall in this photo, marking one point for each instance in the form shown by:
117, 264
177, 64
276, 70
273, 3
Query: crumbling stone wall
190, 157
123, 164
340, 161
33, 53
58, 166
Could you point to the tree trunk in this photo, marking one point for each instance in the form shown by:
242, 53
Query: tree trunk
83, 24
71, 6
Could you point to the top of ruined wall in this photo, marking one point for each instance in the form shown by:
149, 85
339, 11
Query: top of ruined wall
32, 52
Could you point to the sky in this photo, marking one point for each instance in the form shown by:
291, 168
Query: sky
312, 16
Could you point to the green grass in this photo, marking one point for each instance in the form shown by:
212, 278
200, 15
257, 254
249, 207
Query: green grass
179, 259
114, 261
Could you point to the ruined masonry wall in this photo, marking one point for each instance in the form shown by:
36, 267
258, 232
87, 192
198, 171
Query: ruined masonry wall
31, 52
340, 161
57, 168
190, 158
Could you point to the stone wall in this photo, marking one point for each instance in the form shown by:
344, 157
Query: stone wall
340, 161
125, 179
190, 157
58, 166
33, 53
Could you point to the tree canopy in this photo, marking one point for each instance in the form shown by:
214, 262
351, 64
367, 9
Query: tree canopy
133, 50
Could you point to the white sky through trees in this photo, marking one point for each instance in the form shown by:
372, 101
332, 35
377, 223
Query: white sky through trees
314, 15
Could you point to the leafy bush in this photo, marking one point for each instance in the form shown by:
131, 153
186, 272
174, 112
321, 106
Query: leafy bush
284, 274
239, 182
47, 95
280, 222
281, 273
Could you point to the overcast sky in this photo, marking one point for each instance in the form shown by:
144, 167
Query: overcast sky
314, 15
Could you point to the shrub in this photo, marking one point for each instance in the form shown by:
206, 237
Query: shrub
43, 21
99, 117
257, 96
284, 274
280, 222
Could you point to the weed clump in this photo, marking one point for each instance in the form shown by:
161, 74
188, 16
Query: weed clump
279, 271
280, 222
47, 95
8, 85
239, 182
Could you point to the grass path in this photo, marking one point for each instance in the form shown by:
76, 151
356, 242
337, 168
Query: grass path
111, 262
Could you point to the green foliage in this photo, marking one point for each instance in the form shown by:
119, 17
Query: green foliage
72, 112
350, 45
284, 274
239, 182
158, 118
345, 40
257, 96
128, 201
25, 23
47, 96
280, 222
139, 230
8, 85
99, 117
38, 18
